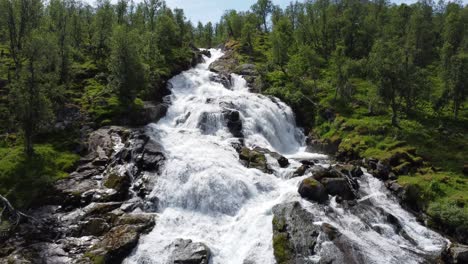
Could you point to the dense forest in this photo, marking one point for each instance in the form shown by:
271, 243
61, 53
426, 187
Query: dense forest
374, 79
67, 66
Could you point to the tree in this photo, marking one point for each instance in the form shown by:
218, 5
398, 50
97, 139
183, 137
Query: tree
127, 74
340, 63
59, 14
22, 17
458, 81
208, 34
121, 10
263, 8
305, 63
166, 36
385, 62
32, 90
248, 31
103, 21
151, 8
281, 40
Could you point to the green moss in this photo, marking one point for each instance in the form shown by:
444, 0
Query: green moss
282, 252
95, 259
311, 182
24, 179
115, 181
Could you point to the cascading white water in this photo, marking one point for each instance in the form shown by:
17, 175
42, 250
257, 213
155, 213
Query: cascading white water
207, 195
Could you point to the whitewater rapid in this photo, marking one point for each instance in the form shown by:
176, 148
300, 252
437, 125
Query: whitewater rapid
205, 194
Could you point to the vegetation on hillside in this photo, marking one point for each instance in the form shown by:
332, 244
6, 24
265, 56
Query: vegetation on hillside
65, 65
378, 80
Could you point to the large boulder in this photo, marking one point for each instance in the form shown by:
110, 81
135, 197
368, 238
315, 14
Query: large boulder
294, 233
153, 156
120, 182
313, 190
457, 254
339, 187
283, 162
188, 252
152, 113
233, 122
115, 245
254, 159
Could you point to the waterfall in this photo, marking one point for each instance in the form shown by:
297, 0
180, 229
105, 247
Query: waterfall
205, 194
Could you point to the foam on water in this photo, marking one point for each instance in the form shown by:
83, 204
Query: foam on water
207, 195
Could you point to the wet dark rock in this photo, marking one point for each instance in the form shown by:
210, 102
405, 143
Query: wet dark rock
381, 171
339, 187
225, 80
206, 53
313, 190
283, 162
151, 113
457, 254
294, 234
320, 173
188, 252
350, 170
348, 251
233, 122
153, 156
307, 163
301, 171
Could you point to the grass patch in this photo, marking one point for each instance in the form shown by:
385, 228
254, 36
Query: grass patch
25, 179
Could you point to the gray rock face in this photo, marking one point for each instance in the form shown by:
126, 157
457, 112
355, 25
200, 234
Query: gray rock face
188, 252
294, 234
90, 217
152, 112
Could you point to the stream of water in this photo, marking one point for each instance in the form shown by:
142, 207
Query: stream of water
206, 195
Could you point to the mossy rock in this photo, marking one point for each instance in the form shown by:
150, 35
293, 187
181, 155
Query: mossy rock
283, 254
313, 190
254, 159
118, 182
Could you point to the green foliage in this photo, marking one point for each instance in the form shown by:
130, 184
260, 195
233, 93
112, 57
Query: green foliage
24, 178
127, 74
